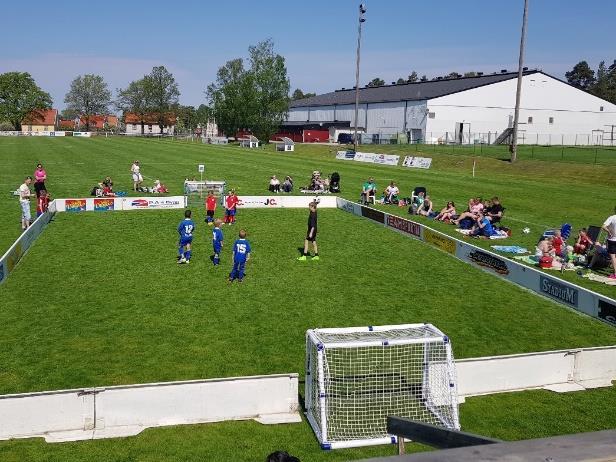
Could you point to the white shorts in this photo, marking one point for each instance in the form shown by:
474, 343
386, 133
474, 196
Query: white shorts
137, 177
25, 210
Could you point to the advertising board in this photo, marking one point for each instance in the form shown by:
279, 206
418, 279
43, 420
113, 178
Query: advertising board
404, 226
277, 201
345, 155
439, 240
373, 158
153, 203
417, 162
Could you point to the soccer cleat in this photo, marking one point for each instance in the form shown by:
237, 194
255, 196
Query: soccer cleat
187, 262
182, 261
302, 258
315, 258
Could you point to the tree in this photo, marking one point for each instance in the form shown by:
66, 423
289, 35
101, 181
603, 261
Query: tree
453, 75
186, 117
424, 78
470, 74
68, 114
412, 78
20, 96
299, 94
581, 76
88, 96
400, 81
256, 98
605, 83
376, 82
162, 93
203, 114
134, 99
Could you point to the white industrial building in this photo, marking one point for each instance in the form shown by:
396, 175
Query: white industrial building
467, 110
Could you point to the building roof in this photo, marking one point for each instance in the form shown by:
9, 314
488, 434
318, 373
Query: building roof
41, 117
406, 91
149, 119
98, 121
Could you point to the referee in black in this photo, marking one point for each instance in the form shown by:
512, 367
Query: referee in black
311, 234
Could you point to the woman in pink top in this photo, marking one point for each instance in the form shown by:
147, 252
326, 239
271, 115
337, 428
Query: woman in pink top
40, 175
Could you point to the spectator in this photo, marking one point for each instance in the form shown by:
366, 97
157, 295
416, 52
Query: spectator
583, 242
281, 456
483, 227
40, 175
24, 203
42, 203
368, 191
137, 177
475, 206
287, 186
391, 194
417, 203
447, 213
426, 208
106, 182
610, 227
495, 210
274, 184
558, 244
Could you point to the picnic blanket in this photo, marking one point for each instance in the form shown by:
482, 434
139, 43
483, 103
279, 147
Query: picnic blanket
599, 278
500, 235
516, 249
529, 259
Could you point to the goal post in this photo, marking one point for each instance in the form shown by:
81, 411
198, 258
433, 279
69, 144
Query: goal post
357, 377
196, 190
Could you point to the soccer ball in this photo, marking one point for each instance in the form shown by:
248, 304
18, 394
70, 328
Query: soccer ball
526, 230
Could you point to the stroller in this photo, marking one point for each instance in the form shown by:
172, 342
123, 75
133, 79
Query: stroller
334, 183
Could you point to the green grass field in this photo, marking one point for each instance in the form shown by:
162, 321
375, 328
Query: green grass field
114, 308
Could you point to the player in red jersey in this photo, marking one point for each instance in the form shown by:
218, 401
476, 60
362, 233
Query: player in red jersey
230, 208
42, 202
210, 207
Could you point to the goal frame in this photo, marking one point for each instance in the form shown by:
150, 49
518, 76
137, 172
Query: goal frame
314, 343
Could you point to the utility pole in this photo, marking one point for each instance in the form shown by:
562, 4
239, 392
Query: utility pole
518, 94
362, 11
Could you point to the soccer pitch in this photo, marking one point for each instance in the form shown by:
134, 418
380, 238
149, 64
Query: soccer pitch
99, 299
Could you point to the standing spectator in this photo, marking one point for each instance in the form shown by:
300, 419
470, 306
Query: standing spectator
610, 227
40, 175
137, 177
42, 203
24, 202
311, 234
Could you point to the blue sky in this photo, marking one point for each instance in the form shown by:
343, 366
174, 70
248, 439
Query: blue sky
122, 41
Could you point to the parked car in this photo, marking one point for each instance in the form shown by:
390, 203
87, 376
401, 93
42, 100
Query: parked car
345, 138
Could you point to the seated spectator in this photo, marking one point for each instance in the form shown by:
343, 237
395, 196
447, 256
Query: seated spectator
483, 227
545, 247
106, 182
274, 184
107, 191
159, 188
475, 207
417, 203
368, 191
287, 186
426, 208
495, 210
391, 194
447, 213
559, 245
583, 242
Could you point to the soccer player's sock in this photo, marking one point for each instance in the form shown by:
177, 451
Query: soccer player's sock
181, 251
216, 259
187, 254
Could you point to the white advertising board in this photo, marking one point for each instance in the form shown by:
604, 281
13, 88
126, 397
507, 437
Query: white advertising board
82, 134
345, 155
417, 162
373, 158
277, 201
150, 203
109, 204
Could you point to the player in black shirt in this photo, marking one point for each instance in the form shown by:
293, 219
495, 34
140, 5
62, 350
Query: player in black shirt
311, 234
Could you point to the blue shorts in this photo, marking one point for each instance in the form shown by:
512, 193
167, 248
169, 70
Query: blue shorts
217, 248
230, 213
184, 240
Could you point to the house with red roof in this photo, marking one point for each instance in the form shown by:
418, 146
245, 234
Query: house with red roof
133, 123
40, 120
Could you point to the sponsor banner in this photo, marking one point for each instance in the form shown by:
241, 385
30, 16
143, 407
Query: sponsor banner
74, 205
405, 226
559, 291
10, 133
373, 214
417, 162
488, 260
348, 206
57, 133
150, 203
607, 311
373, 158
439, 240
103, 204
345, 155
10, 259
82, 134
277, 201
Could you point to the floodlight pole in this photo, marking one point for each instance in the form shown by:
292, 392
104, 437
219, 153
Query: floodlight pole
362, 10
518, 94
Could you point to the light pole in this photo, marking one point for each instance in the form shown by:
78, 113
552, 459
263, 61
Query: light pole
362, 11
518, 94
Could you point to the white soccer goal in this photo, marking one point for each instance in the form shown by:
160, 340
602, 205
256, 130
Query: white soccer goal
358, 376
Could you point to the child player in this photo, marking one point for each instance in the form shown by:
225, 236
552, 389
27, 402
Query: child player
217, 241
311, 234
230, 207
42, 202
210, 207
241, 254
185, 230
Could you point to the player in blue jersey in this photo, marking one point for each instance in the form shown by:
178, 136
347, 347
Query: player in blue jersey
217, 241
241, 254
185, 230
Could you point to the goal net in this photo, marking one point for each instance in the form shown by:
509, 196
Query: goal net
197, 190
356, 377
